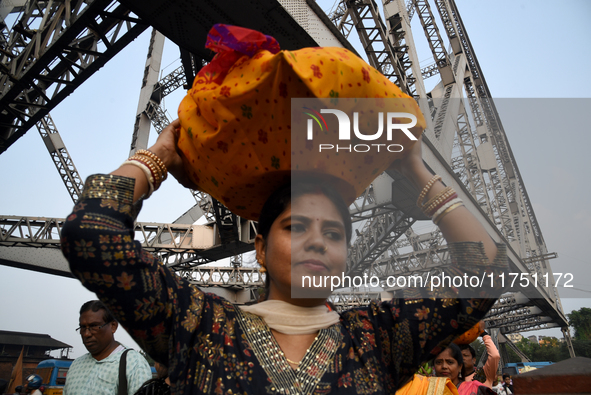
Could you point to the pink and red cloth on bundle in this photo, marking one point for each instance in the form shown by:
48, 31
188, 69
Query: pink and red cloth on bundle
236, 119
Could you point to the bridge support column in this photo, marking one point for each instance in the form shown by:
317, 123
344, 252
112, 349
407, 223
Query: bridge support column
568, 341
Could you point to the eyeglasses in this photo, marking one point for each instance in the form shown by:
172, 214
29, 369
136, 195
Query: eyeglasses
92, 328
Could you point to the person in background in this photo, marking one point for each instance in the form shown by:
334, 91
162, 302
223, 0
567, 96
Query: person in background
499, 389
492, 363
33, 382
450, 363
156, 386
98, 371
507, 382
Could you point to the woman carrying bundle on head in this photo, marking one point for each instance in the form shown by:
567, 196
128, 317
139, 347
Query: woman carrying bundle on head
233, 141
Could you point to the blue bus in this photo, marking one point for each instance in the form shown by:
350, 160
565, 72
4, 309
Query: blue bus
54, 373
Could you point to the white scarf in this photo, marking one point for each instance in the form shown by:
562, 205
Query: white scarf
293, 320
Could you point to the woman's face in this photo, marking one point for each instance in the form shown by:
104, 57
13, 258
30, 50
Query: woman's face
307, 239
447, 366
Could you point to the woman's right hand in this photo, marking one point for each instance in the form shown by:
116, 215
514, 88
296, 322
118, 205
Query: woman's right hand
166, 149
412, 166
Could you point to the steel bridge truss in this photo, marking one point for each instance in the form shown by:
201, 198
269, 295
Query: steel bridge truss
60, 157
56, 45
178, 245
52, 48
390, 58
494, 184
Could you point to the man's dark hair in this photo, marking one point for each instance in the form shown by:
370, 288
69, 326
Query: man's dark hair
96, 305
506, 375
468, 347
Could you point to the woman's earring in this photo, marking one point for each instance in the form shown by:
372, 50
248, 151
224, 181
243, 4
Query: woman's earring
263, 268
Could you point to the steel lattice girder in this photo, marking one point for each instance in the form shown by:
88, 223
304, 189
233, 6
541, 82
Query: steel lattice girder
180, 246
45, 232
506, 160
391, 61
432, 32
61, 157
378, 235
235, 277
187, 23
65, 45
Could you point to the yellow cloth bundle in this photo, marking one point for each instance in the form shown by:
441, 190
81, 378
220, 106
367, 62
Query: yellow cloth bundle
236, 119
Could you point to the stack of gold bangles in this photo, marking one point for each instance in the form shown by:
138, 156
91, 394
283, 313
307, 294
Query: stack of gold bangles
441, 204
151, 165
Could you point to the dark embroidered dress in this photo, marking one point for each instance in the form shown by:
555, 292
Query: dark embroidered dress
212, 346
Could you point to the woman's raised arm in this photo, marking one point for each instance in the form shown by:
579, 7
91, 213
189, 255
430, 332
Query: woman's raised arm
459, 224
145, 296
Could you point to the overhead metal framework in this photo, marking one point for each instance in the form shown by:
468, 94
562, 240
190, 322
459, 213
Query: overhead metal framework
387, 57
440, 56
179, 245
54, 46
473, 155
60, 156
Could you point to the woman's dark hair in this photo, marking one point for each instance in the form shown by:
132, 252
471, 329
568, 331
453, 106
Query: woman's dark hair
279, 200
96, 305
456, 354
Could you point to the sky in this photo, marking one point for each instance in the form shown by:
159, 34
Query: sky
531, 56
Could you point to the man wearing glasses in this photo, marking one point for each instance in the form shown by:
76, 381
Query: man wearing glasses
98, 371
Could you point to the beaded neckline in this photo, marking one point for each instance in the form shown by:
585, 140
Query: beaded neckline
285, 379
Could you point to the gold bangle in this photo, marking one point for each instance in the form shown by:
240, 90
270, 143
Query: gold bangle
151, 164
158, 164
437, 199
445, 206
150, 160
146, 160
157, 160
433, 211
430, 211
451, 208
426, 189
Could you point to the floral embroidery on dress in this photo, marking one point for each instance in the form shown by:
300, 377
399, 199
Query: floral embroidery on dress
206, 345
